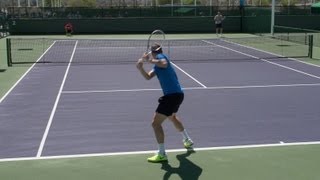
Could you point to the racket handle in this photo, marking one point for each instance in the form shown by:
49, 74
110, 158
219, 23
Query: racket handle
146, 56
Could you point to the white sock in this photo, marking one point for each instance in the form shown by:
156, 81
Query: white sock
185, 134
162, 150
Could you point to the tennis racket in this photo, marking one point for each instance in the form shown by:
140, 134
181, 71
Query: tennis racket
157, 36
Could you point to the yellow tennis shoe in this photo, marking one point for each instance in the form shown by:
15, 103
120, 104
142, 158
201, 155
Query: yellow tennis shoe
188, 143
158, 158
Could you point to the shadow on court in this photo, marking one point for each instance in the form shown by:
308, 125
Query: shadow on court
187, 170
2, 70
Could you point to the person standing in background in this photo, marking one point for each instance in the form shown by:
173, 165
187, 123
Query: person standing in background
218, 19
68, 28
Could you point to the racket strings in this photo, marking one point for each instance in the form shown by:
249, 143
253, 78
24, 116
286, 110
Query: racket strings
156, 37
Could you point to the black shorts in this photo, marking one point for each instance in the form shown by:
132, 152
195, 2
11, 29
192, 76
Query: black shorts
219, 25
170, 103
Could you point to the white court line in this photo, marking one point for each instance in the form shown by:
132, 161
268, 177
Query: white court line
286, 67
9, 91
192, 88
66, 40
169, 150
45, 135
103, 48
189, 75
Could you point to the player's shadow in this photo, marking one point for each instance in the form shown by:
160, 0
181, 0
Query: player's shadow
187, 170
2, 70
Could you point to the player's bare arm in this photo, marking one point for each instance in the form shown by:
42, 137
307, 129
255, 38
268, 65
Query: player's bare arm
145, 74
162, 63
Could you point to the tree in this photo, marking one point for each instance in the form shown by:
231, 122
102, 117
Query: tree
184, 2
261, 2
82, 3
288, 2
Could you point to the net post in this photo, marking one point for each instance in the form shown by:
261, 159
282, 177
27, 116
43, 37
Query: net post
272, 17
310, 52
9, 58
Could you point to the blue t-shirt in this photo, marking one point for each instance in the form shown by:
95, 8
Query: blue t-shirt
167, 77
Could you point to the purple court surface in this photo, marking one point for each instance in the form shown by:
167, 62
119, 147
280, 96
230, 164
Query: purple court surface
108, 107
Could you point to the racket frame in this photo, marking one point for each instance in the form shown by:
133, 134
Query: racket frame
158, 32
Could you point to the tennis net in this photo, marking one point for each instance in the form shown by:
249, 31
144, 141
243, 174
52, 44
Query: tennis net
107, 51
291, 31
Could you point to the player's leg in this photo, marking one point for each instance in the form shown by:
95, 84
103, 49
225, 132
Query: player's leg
217, 29
187, 141
157, 126
176, 122
158, 131
176, 101
165, 109
69, 32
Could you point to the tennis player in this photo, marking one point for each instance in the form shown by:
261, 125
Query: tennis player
218, 19
169, 103
68, 28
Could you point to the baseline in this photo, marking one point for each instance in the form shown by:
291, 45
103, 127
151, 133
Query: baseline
280, 144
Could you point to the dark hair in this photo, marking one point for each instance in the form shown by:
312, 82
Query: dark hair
156, 48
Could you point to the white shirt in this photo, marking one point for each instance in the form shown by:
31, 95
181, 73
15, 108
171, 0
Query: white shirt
218, 19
